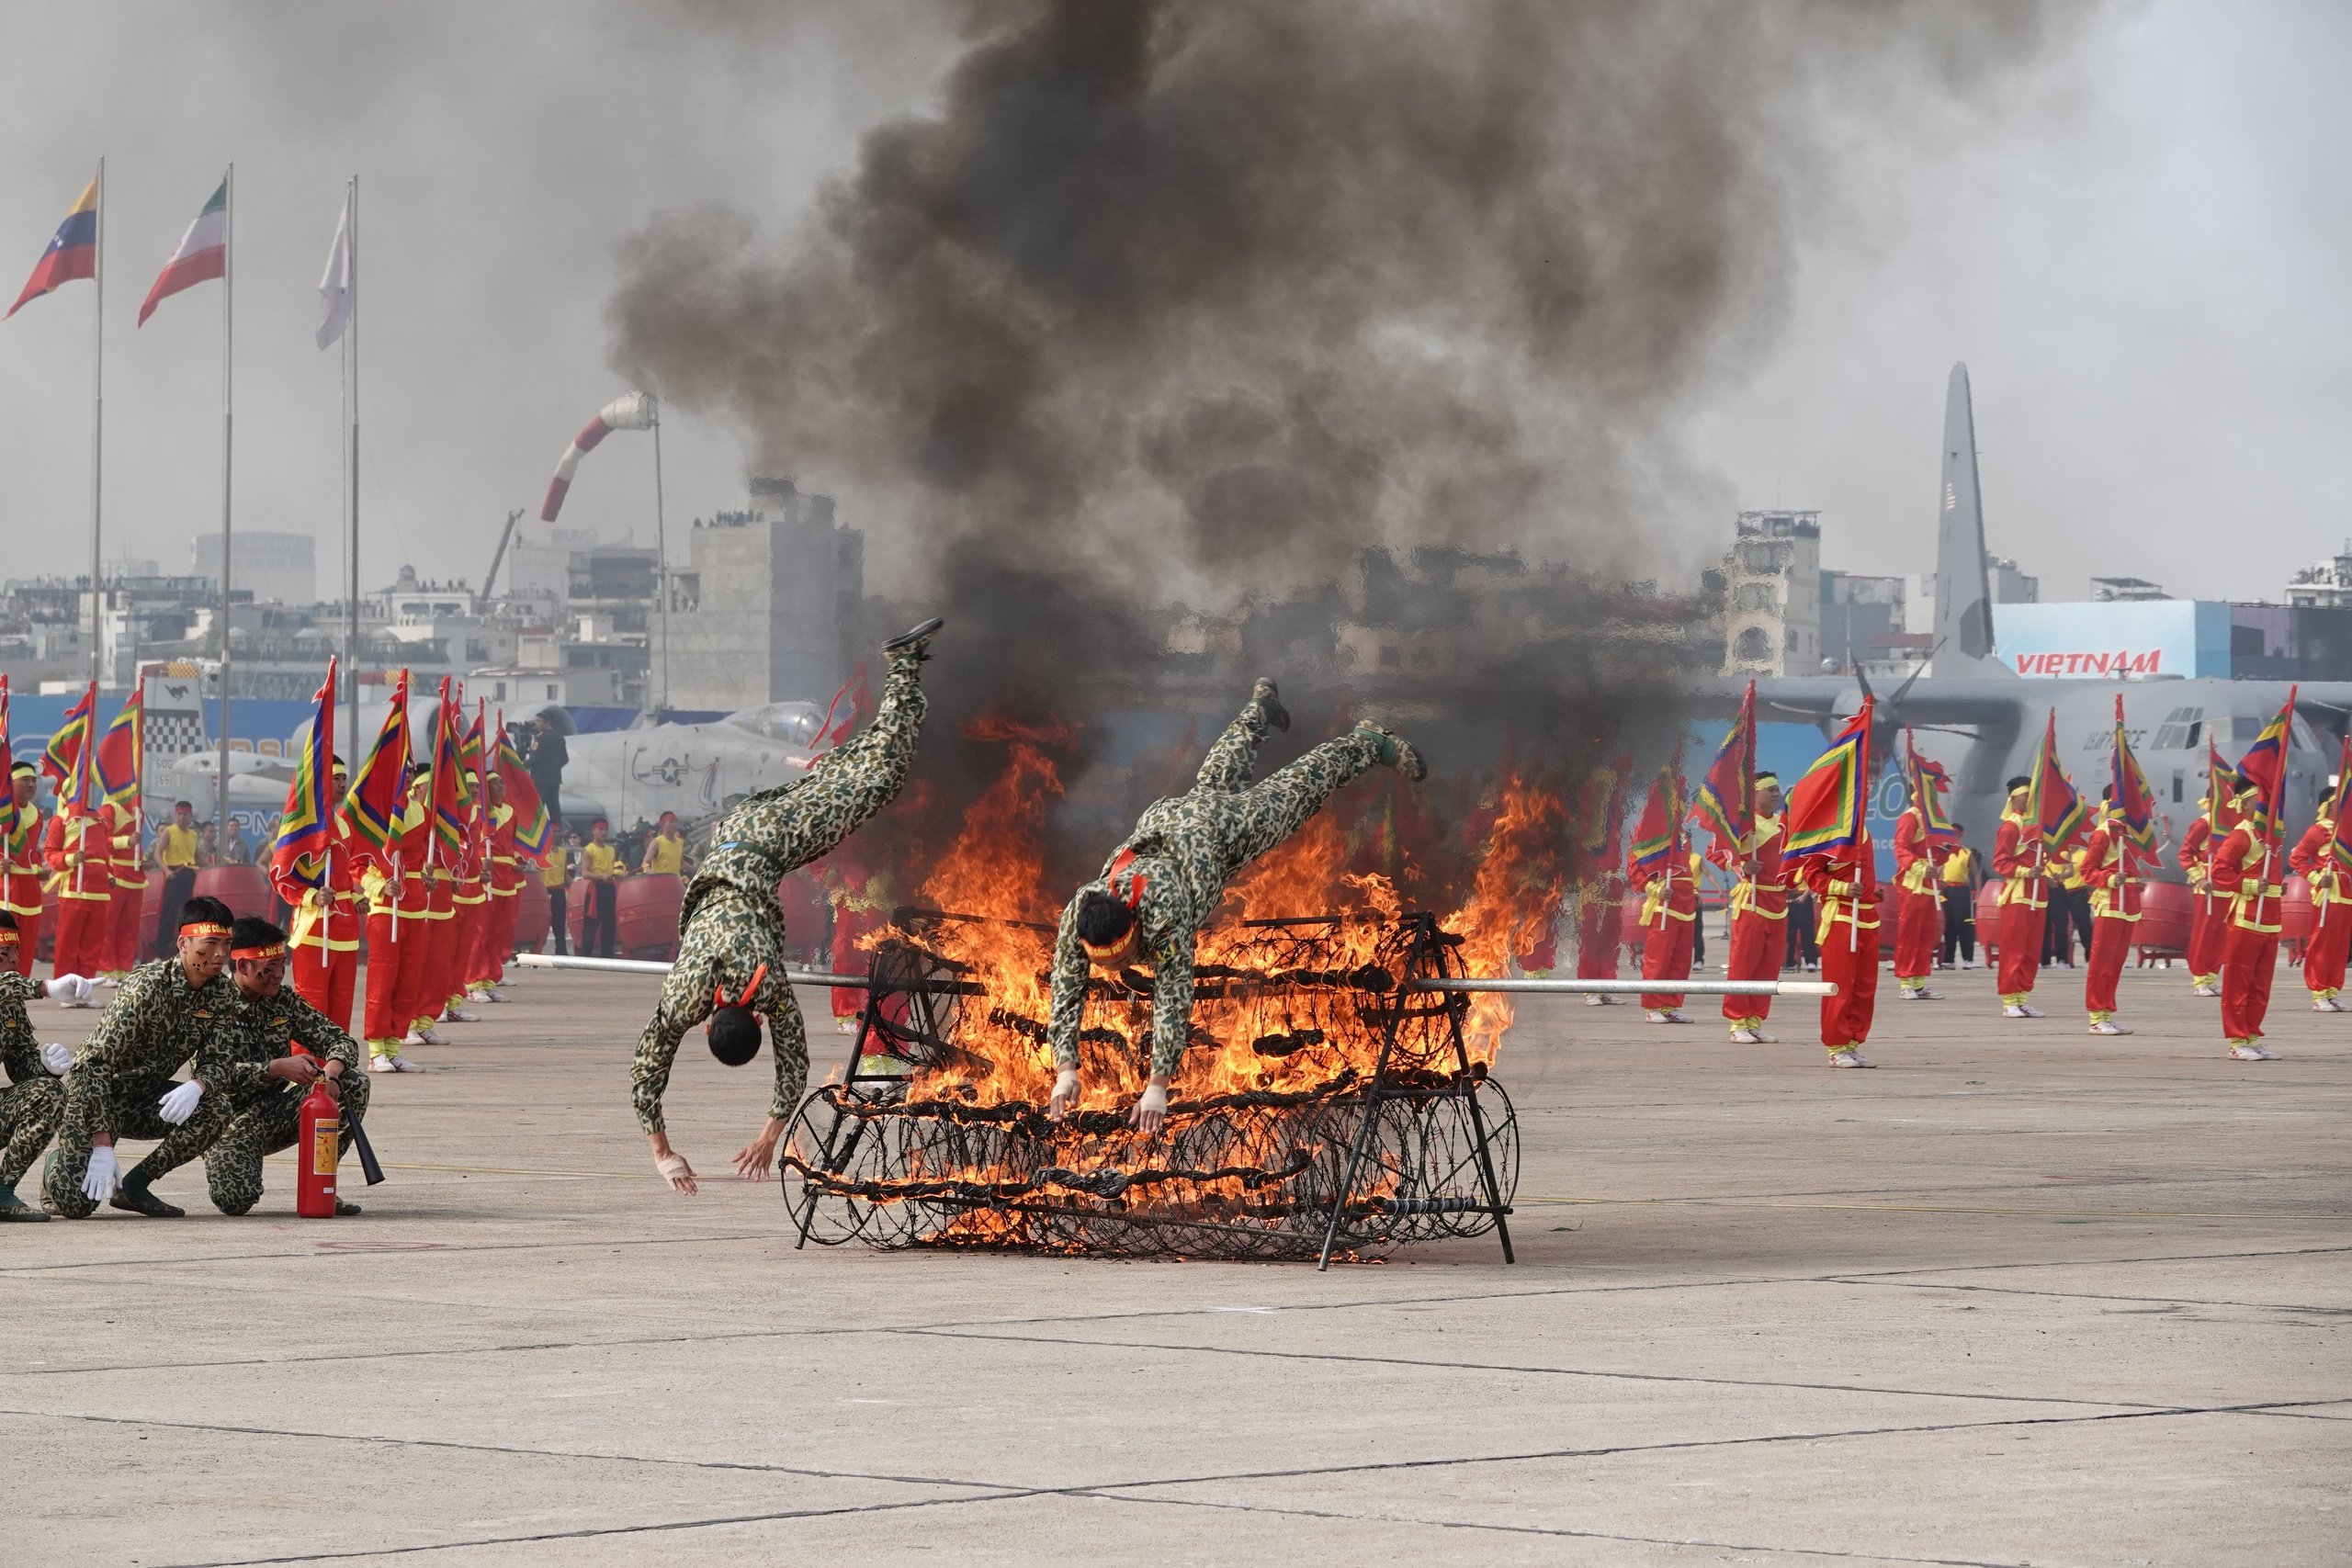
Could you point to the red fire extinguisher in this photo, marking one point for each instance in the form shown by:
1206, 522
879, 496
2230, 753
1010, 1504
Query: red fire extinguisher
319, 1123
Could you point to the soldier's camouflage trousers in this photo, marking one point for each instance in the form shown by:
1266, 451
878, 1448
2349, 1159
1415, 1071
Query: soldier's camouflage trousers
1236, 820
264, 1126
29, 1112
139, 1117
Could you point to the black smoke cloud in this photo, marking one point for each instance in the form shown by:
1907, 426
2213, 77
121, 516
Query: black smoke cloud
1194, 300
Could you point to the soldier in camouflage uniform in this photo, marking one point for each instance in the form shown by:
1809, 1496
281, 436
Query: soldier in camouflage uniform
1169, 877
164, 1013
731, 929
33, 1100
253, 1080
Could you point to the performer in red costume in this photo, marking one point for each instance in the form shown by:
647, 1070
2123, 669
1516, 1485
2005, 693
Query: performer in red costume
2331, 939
323, 943
20, 866
2246, 869
1669, 913
2115, 869
1845, 886
2018, 859
1919, 898
1758, 910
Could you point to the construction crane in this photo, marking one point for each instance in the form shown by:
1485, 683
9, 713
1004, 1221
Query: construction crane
490, 578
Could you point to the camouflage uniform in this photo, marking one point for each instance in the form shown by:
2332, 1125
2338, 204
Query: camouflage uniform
730, 924
265, 1112
156, 1022
1185, 849
31, 1106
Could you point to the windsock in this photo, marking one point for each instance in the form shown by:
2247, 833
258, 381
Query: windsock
638, 410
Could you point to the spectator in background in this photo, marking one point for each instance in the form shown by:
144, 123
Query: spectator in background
177, 852
563, 852
665, 853
1964, 874
1803, 939
544, 762
207, 847
600, 864
236, 852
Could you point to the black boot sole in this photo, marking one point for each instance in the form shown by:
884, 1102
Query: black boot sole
915, 638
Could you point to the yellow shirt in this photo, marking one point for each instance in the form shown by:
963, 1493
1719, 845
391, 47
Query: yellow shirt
664, 855
552, 873
176, 848
1956, 868
600, 859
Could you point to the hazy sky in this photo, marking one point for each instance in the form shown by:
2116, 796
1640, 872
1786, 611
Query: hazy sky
2138, 245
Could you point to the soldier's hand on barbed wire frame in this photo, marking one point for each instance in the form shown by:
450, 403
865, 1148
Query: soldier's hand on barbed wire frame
1151, 1110
1065, 1096
755, 1161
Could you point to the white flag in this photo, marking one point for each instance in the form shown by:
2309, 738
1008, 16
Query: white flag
339, 289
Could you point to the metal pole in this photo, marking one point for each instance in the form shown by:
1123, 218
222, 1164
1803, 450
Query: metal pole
651, 966
351, 610
97, 408
228, 448
662, 554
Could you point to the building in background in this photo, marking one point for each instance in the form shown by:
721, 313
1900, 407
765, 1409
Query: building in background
2324, 585
1856, 612
2125, 590
1772, 595
275, 569
767, 607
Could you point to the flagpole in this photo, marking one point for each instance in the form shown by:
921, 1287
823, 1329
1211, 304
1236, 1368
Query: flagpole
228, 452
351, 338
662, 554
98, 406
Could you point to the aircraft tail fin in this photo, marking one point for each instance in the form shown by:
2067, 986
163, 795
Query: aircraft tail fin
1964, 631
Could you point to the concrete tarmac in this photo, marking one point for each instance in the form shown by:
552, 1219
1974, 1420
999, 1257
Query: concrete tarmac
2020, 1296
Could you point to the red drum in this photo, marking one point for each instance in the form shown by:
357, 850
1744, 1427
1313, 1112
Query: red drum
645, 922
1988, 920
2165, 910
244, 888
575, 915
530, 911
2299, 918
45, 948
151, 909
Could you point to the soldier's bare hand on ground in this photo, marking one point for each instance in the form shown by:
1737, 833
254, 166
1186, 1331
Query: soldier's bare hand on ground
755, 1161
672, 1165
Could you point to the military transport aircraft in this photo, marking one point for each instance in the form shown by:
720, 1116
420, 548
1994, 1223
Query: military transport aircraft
1983, 720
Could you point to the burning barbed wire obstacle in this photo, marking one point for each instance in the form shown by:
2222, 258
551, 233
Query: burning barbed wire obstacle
1325, 1104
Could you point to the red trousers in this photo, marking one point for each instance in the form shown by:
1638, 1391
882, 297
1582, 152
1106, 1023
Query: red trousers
122, 927
1666, 955
324, 980
385, 1020
2111, 945
81, 927
470, 922
2249, 961
2323, 954
29, 926
2020, 947
1600, 931
1850, 962
418, 998
1757, 947
502, 934
2208, 920
1919, 932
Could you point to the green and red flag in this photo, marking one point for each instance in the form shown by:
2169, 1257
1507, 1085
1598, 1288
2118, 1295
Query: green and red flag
1725, 801
448, 845
2264, 768
533, 825
203, 254
2051, 801
2339, 843
122, 751
378, 793
2134, 802
57, 759
1928, 780
7, 769
1658, 836
1826, 808
306, 828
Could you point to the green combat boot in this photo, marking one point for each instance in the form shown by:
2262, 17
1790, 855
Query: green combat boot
15, 1208
131, 1194
1395, 750
1269, 698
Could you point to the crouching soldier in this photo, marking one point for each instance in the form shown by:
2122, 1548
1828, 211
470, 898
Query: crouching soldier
121, 1082
33, 1100
1169, 877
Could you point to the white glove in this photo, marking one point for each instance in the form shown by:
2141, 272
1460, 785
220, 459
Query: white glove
179, 1105
57, 1059
97, 1182
71, 989
1065, 1098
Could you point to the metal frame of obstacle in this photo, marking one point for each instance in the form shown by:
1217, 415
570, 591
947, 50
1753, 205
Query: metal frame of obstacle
907, 1013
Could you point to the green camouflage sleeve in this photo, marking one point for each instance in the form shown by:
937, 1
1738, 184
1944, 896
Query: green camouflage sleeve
319, 1032
235, 1058
138, 1009
19, 989
1068, 988
19, 1049
1171, 1006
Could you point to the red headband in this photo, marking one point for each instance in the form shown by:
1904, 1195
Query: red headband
202, 929
744, 999
10, 937
276, 949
